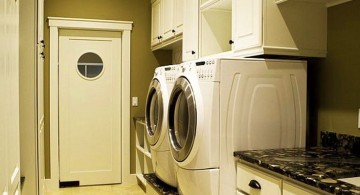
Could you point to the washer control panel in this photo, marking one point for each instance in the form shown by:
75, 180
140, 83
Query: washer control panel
171, 72
207, 70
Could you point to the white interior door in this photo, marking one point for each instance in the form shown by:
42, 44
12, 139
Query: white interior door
89, 106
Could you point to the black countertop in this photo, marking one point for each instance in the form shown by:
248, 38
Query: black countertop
317, 167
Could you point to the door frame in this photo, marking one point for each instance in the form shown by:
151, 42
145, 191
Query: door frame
123, 27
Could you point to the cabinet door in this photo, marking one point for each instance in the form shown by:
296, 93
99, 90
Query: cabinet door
247, 24
191, 30
178, 16
156, 22
252, 181
168, 19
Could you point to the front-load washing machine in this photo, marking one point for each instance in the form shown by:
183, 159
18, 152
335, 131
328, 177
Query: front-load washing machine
219, 106
157, 125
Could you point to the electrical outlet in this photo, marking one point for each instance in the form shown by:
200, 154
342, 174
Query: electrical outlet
134, 101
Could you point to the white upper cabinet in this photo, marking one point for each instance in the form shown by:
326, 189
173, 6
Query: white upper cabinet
247, 24
293, 28
178, 16
191, 30
167, 22
242, 28
168, 18
156, 23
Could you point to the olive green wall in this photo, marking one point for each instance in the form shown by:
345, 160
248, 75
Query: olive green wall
143, 61
27, 84
335, 81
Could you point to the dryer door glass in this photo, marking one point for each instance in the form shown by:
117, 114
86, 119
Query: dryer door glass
181, 122
182, 119
154, 112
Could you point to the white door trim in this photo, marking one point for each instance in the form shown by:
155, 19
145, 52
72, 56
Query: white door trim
123, 27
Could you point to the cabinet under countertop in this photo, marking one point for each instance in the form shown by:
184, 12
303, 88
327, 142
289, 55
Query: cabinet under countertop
317, 168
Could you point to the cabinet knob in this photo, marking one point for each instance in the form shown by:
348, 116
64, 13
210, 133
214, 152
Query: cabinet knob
255, 184
192, 52
173, 31
231, 42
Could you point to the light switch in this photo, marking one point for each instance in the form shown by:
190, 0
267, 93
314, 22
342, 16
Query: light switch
134, 101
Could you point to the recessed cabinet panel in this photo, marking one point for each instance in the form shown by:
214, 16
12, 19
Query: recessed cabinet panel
168, 19
191, 30
247, 24
155, 22
178, 16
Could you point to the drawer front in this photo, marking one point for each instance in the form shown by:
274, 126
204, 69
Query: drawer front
292, 189
268, 184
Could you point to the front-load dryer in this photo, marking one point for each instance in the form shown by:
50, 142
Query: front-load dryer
219, 106
157, 125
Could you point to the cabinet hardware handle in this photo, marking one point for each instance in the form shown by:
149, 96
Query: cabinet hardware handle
231, 42
254, 184
42, 42
42, 55
192, 52
173, 31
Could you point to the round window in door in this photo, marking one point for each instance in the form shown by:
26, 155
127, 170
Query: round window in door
90, 65
182, 119
154, 112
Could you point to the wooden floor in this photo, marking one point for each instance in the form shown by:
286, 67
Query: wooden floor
121, 189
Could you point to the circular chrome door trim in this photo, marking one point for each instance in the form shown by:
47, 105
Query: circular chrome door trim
153, 133
182, 85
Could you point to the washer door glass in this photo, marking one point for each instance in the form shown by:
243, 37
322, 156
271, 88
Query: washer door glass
182, 119
154, 112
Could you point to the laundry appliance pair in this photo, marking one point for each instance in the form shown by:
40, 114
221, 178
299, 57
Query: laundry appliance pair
218, 106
